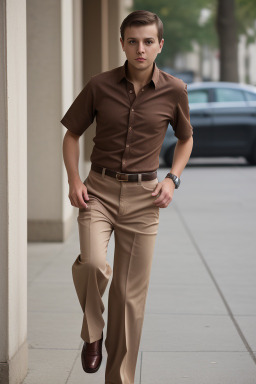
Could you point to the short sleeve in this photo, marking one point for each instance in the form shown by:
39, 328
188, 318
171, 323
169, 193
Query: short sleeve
181, 126
81, 113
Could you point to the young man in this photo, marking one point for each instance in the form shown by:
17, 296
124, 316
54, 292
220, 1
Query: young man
133, 105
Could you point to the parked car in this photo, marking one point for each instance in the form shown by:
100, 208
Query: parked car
187, 75
223, 117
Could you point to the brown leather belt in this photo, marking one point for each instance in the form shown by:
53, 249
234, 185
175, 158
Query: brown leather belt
120, 176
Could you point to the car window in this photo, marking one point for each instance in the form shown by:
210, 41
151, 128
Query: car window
198, 96
250, 96
228, 95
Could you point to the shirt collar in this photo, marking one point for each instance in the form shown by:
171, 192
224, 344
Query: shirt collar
155, 76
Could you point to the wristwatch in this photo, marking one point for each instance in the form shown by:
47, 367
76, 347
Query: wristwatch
174, 178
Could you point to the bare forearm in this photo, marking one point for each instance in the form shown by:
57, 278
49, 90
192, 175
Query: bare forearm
181, 155
71, 154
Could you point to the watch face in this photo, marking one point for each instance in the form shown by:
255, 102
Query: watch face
176, 181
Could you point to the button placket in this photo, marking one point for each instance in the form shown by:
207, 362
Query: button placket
127, 142
131, 92
133, 101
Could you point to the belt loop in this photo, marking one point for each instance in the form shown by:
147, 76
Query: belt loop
139, 178
103, 172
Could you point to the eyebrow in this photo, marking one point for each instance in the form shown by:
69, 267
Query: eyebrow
146, 38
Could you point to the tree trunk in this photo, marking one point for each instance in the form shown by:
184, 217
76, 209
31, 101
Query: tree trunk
228, 40
247, 64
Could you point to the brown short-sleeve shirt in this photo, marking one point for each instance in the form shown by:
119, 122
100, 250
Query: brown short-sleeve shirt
130, 129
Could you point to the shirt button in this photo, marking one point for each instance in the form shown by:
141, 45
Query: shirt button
123, 161
132, 110
130, 128
127, 145
131, 91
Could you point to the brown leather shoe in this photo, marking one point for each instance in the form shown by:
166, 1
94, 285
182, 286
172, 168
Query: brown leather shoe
91, 355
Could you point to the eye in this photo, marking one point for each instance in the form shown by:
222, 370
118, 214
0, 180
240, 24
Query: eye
149, 42
131, 41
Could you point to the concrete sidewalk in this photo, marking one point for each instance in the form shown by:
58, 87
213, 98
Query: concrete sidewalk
200, 319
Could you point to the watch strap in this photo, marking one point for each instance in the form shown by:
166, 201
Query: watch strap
174, 178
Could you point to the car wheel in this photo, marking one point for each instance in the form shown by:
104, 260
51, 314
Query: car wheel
252, 158
168, 156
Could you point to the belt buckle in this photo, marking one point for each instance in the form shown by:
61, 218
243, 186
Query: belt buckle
118, 174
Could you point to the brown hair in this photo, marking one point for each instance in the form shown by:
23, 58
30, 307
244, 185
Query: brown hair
142, 18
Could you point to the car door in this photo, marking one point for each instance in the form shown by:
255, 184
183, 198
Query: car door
251, 102
201, 120
231, 121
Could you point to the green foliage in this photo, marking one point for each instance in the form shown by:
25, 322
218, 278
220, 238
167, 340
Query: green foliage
246, 19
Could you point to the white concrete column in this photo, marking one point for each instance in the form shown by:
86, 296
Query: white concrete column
77, 69
13, 192
116, 13
54, 78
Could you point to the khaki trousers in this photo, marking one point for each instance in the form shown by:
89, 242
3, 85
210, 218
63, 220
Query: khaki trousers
127, 209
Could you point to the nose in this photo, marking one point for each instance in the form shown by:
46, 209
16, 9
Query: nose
140, 48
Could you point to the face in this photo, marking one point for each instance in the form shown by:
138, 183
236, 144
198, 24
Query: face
141, 45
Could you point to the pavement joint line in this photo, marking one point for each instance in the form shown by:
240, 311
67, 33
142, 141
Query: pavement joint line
188, 314
72, 367
200, 254
53, 349
58, 253
55, 312
141, 366
199, 351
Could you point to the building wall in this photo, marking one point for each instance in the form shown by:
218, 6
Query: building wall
13, 192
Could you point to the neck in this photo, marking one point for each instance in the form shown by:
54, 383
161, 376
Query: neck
139, 76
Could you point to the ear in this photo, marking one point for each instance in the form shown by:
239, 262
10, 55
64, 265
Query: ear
161, 44
122, 43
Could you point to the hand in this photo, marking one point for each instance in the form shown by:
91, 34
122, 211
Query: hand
166, 187
78, 193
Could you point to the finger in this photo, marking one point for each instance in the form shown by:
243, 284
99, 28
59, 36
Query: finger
76, 202
82, 202
158, 202
166, 203
71, 201
162, 206
85, 194
161, 203
157, 189
161, 197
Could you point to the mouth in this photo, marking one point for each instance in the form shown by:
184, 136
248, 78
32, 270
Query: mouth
140, 59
